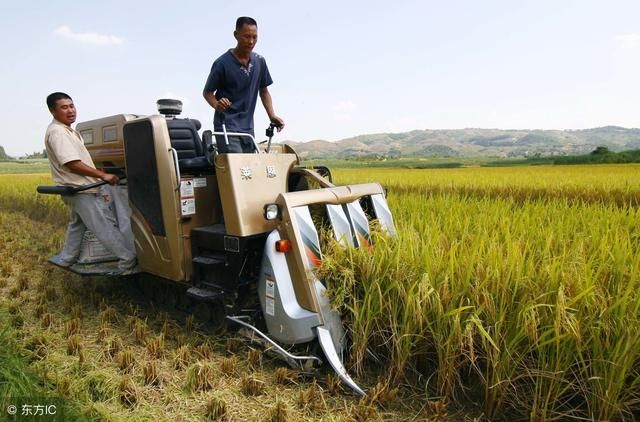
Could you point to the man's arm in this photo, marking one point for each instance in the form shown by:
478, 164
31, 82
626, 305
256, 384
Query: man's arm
265, 97
220, 105
215, 80
78, 167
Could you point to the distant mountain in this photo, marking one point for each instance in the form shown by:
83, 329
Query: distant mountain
473, 142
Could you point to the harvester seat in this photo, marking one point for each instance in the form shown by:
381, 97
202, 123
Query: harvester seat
187, 143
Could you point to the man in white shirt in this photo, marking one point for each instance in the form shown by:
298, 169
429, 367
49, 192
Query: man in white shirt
71, 165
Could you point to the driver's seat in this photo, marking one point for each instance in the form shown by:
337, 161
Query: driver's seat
184, 137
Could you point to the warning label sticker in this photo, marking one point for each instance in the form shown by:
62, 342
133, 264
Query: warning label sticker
200, 182
271, 306
187, 199
271, 288
186, 187
188, 206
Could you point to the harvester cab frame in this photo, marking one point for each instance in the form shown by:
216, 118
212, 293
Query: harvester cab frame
236, 230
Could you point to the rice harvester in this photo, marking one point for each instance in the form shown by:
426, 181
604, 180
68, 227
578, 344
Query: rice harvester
240, 231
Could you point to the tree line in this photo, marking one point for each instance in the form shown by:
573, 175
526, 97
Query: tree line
5, 157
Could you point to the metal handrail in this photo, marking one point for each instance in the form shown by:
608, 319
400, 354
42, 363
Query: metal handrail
175, 163
279, 348
227, 134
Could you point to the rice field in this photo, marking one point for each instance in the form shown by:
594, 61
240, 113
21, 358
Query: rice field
514, 289
509, 294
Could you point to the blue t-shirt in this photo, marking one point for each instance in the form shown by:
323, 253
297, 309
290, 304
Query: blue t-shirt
241, 85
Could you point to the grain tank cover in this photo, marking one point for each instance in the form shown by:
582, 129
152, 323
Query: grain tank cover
104, 139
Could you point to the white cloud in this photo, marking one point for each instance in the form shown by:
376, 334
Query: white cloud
343, 111
89, 38
631, 40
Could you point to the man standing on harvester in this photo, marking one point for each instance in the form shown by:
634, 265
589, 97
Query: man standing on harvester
233, 85
71, 165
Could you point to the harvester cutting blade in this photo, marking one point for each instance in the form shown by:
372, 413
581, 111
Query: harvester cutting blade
324, 338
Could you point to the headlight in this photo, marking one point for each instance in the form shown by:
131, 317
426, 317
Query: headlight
271, 211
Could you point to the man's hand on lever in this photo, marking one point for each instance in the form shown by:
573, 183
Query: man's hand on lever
278, 122
111, 179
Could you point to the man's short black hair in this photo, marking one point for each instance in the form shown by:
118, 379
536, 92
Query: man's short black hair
53, 98
245, 20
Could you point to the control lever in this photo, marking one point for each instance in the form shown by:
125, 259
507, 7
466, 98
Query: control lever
269, 133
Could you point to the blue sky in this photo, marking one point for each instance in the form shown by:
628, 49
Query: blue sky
340, 68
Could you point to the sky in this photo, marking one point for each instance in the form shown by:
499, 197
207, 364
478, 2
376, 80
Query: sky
340, 68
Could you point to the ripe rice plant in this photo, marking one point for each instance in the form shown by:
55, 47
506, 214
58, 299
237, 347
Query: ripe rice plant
138, 328
103, 333
229, 366
216, 409
47, 320
533, 297
618, 184
74, 345
126, 360
182, 357
254, 358
333, 384
19, 194
201, 377
155, 346
99, 386
280, 412
310, 400
252, 386
108, 314
285, 376
72, 327
128, 392
151, 375
203, 351
113, 348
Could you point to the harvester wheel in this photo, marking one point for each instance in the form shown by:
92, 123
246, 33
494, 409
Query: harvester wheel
202, 311
148, 288
170, 297
158, 294
218, 313
185, 303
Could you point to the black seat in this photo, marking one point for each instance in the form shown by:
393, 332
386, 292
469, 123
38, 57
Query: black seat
187, 143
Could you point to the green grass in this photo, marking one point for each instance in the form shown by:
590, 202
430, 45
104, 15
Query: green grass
21, 386
35, 165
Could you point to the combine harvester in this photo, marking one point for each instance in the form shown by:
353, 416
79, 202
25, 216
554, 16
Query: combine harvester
236, 230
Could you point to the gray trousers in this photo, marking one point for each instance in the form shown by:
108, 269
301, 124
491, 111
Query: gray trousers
95, 211
237, 144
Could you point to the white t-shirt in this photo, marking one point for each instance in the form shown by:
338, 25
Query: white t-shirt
64, 144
